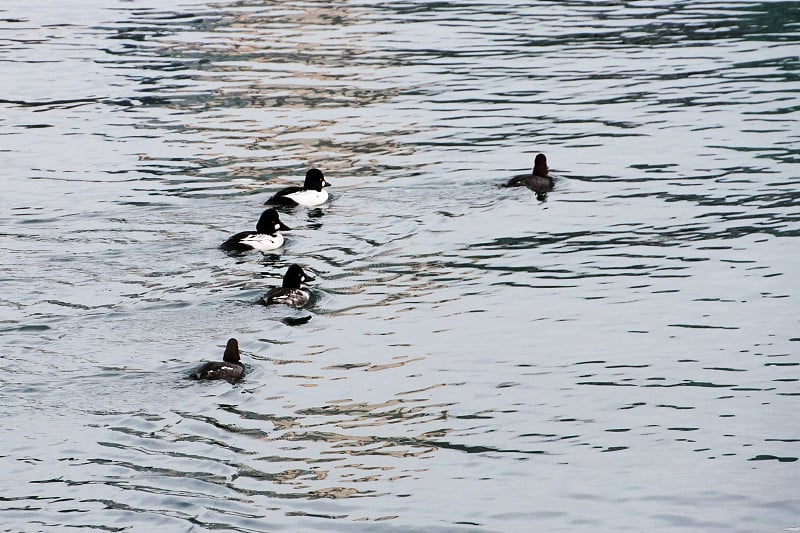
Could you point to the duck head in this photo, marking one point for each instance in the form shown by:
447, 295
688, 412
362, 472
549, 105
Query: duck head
294, 277
540, 166
270, 223
315, 180
231, 351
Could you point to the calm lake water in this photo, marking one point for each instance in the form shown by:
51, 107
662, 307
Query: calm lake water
623, 356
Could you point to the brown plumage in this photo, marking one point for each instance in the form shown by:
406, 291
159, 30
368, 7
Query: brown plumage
230, 368
539, 180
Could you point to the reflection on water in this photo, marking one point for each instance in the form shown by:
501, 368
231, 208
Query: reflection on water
474, 358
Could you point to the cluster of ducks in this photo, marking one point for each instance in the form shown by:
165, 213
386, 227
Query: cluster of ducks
267, 237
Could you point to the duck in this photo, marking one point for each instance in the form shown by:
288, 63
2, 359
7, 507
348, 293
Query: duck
311, 194
266, 236
230, 368
539, 180
290, 293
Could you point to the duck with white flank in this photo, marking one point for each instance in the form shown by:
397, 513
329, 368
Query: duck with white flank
311, 194
230, 368
291, 292
266, 236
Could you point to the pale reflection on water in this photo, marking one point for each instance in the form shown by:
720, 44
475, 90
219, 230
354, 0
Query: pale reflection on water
621, 356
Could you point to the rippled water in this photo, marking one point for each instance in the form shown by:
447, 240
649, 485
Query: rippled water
621, 356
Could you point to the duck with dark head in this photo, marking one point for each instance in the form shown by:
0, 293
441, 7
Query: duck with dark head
311, 194
292, 292
230, 368
539, 180
265, 238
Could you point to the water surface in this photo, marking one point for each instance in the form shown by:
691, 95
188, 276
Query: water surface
619, 357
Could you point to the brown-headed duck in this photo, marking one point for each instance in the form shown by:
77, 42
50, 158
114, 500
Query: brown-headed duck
539, 180
230, 368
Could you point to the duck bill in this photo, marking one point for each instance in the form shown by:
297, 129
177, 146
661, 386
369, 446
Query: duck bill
283, 227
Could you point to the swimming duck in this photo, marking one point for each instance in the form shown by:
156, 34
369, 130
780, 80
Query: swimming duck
230, 368
266, 236
539, 180
310, 194
290, 293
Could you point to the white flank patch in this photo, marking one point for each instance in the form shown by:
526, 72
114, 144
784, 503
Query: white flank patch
264, 241
309, 198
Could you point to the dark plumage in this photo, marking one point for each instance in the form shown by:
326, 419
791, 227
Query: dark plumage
230, 368
310, 194
291, 293
539, 180
264, 238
